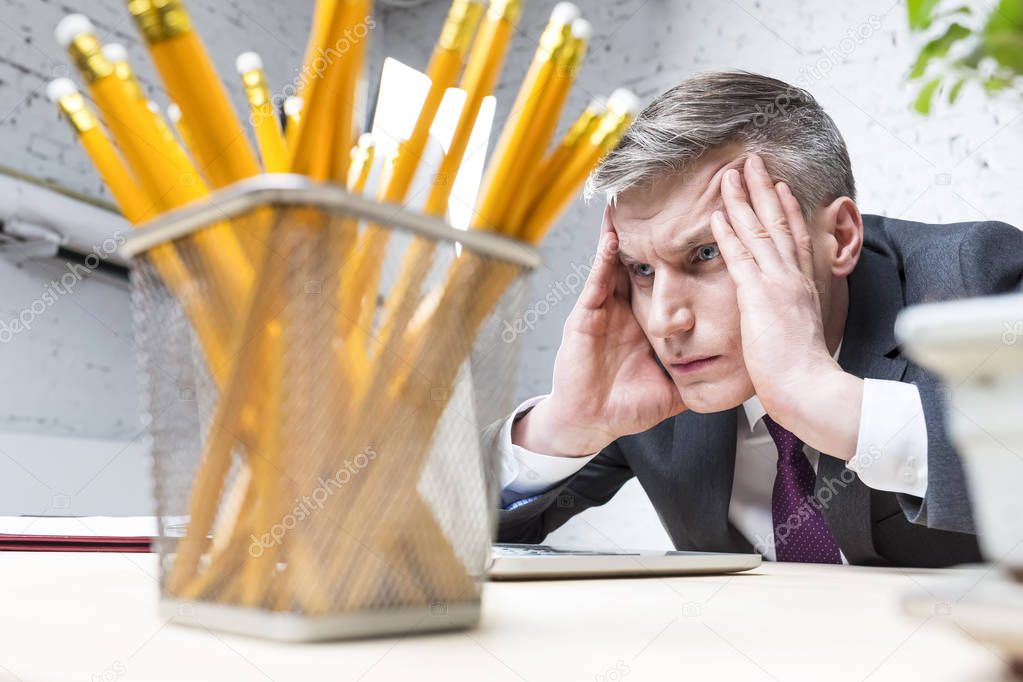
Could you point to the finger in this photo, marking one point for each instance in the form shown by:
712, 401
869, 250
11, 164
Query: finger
746, 225
601, 280
607, 223
801, 238
740, 262
622, 285
769, 209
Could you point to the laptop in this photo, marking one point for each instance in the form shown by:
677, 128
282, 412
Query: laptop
544, 562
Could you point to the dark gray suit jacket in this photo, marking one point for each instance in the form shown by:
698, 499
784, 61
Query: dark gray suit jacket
686, 463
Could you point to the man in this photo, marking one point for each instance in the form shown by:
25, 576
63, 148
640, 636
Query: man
733, 346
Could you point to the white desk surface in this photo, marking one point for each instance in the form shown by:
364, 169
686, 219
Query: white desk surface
93, 617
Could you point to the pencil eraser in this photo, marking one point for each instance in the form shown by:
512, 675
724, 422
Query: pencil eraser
60, 87
624, 101
173, 113
152, 106
582, 29
115, 52
598, 104
248, 61
292, 106
564, 13
70, 27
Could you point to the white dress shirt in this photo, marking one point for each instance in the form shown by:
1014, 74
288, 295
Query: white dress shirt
891, 454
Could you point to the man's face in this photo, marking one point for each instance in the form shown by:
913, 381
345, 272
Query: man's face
681, 292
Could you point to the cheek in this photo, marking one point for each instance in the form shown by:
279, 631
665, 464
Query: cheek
717, 302
640, 303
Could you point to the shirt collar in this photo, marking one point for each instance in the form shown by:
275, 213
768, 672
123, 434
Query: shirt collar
755, 411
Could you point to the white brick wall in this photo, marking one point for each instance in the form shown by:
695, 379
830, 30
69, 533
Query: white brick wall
36, 143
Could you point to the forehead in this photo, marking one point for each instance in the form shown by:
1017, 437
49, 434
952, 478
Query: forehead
674, 207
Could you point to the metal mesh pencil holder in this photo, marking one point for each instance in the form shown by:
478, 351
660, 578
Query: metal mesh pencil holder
317, 369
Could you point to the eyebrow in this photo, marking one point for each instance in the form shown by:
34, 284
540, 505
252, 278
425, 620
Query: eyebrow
701, 237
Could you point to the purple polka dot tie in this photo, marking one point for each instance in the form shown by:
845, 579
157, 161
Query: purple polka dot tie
800, 532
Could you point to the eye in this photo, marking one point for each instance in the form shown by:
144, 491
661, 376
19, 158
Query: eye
706, 252
643, 270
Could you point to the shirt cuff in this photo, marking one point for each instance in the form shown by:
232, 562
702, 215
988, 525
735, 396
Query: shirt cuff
891, 445
525, 473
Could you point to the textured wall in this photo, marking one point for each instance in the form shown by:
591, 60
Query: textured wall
957, 165
35, 142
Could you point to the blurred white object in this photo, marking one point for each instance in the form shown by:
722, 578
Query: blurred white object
44, 220
403, 91
399, 100
976, 347
470, 173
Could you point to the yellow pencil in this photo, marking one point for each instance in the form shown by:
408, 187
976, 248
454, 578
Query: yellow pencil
622, 108
553, 163
354, 362
323, 15
310, 152
163, 172
362, 278
481, 72
343, 132
362, 157
222, 149
538, 136
512, 153
117, 55
100, 150
132, 202
293, 117
174, 116
445, 65
262, 117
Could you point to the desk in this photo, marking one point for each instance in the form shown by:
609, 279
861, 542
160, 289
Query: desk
93, 617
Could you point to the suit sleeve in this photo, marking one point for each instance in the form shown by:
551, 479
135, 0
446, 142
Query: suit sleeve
990, 263
532, 519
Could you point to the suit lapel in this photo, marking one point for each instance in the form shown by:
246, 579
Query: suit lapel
869, 350
704, 447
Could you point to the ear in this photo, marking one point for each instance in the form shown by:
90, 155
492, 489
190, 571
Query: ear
844, 222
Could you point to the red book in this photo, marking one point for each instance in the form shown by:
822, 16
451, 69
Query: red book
77, 533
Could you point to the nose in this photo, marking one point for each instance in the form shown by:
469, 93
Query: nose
670, 313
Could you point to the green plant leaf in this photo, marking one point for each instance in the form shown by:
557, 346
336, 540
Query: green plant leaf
953, 93
1009, 13
921, 13
1006, 46
997, 83
958, 10
938, 47
922, 103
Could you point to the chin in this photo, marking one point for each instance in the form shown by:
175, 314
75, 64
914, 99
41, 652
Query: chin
715, 396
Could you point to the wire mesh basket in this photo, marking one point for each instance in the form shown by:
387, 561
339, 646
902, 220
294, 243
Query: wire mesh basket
315, 408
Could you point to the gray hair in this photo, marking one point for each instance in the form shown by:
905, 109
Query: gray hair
798, 141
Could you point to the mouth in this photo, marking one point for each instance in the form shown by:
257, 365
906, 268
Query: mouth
694, 363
